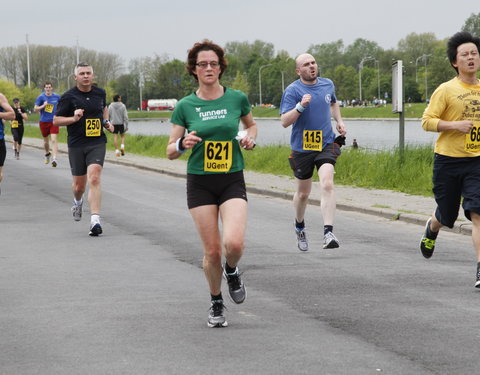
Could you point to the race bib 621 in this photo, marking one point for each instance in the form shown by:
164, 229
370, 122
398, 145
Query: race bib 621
218, 156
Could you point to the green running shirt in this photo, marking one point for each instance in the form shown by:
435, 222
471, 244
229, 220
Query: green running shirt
213, 120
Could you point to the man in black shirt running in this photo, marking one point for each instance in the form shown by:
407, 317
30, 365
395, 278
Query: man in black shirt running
83, 109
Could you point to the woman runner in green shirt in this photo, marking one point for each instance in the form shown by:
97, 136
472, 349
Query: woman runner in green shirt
207, 122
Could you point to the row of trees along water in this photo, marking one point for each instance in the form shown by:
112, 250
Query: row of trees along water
361, 70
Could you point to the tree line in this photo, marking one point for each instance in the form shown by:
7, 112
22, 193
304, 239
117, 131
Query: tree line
360, 71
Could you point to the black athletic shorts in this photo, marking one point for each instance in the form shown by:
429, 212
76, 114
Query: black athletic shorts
3, 152
304, 163
454, 178
214, 189
81, 157
118, 129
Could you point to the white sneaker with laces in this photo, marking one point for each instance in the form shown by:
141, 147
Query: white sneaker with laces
77, 211
302, 241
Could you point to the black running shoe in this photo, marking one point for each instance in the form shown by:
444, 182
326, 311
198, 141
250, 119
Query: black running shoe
427, 243
330, 241
477, 283
95, 230
215, 316
236, 287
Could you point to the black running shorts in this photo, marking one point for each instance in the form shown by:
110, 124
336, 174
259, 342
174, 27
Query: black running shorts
81, 157
214, 189
3, 152
454, 178
119, 129
304, 163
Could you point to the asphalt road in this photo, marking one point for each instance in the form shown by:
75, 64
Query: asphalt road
135, 301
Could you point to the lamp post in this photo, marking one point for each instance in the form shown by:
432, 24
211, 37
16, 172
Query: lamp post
416, 69
366, 58
260, 81
424, 57
28, 61
283, 80
378, 78
426, 79
140, 86
78, 52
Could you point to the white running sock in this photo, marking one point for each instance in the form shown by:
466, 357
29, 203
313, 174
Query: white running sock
94, 219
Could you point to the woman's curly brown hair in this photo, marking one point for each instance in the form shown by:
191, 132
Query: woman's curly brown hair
205, 45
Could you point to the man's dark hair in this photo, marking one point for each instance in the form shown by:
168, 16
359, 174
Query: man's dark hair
116, 98
457, 40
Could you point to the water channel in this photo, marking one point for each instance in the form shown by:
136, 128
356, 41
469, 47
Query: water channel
373, 134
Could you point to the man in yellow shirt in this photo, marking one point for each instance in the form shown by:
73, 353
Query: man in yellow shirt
454, 112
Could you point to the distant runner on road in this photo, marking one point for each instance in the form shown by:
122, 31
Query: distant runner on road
17, 126
118, 114
6, 113
46, 105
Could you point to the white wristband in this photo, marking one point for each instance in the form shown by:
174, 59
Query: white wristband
299, 108
177, 146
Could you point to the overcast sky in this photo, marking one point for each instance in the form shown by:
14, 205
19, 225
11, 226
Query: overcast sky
141, 28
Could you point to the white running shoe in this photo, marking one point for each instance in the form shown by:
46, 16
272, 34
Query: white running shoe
77, 211
302, 241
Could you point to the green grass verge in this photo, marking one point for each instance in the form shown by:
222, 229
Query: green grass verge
355, 167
